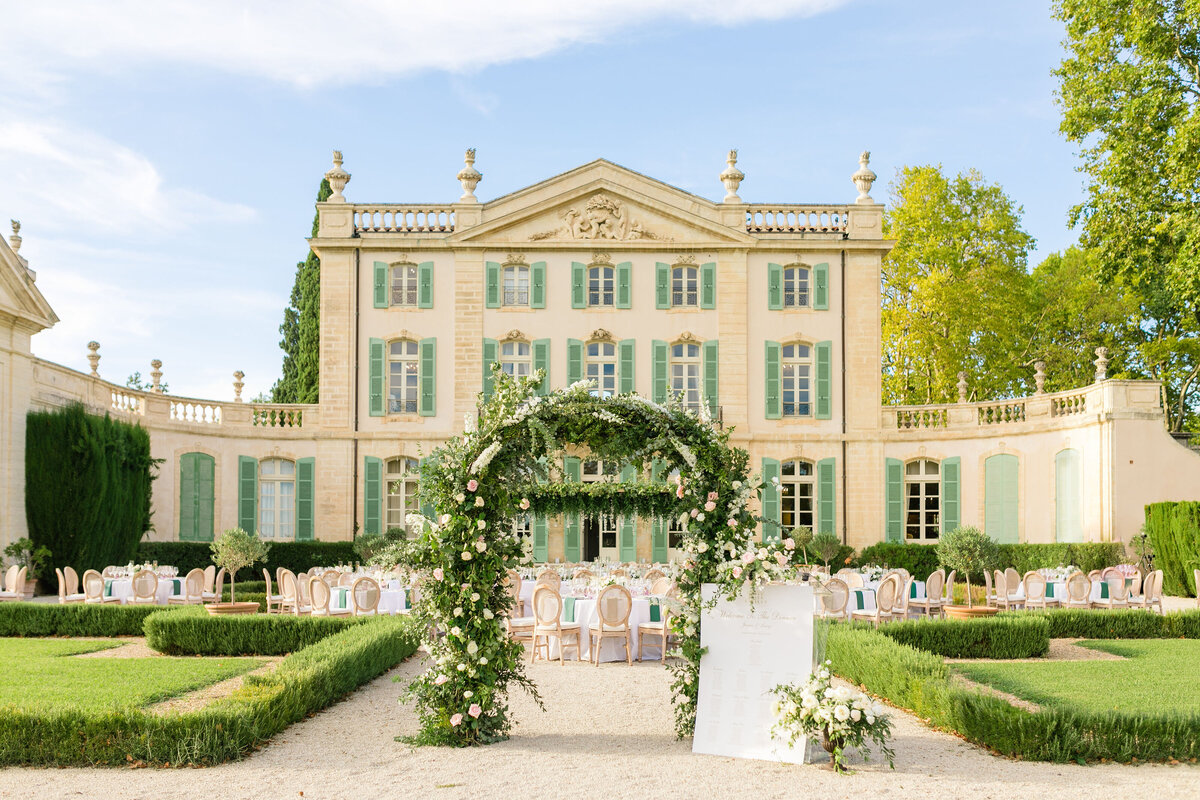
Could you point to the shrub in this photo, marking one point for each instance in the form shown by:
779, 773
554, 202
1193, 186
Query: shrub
198, 634
826, 547
1002, 636
296, 556
1174, 531
920, 560
77, 619
235, 549
970, 551
1072, 623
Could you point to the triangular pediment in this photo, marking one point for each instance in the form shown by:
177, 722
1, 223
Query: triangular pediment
19, 296
601, 202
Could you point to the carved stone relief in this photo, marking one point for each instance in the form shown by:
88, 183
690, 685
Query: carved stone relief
601, 217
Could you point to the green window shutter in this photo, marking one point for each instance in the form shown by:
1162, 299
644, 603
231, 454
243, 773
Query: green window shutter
574, 361
821, 287
187, 497
626, 366
1068, 496
658, 541
662, 285
712, 383
305, 477
1000, 502
770, 501
381, 284
658, 471
541, 540
425, 285
428, 509
629, 474
824, 380
248, 493
537, 284
428, 368
372, 495
951, 491
491, 352
774, 406
627, 543
894, 499
572, 469
774, 287
375, 365
708, 285
541, 360
625, 284
491, 295
826, 496
206, 468
660, 371
571, 527
578, 285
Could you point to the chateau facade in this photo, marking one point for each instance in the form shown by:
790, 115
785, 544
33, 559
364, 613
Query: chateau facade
765, 317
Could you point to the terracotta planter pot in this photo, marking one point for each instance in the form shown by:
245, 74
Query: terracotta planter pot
965, 612
232, 608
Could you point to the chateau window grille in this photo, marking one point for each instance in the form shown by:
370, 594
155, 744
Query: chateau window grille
516, 286
403, 376
796, 287
922, 500
601, 286
796, 369
685, 287
404, 285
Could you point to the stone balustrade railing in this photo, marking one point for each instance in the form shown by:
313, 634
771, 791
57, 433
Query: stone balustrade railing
797, 219
1107, 398
403, 219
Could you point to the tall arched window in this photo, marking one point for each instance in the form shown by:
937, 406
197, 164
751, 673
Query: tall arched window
601, 285
685, 286
276, 498
600, 367
797, 496
602, 529
796, 379
516, 359
922, 500
685, 374
796, 286
516, 285
403, 376
404, 285
402, 482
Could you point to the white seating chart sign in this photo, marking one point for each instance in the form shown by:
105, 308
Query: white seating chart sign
749, 653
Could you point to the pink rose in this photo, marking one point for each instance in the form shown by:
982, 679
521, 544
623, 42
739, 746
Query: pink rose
737, 572
455, 720
732, 523
694, 512
710, 506
524, 503
780, 558
472, 485
475, 710
789, 543
748, 557
439, 574
440, 679
679, 491
712, 495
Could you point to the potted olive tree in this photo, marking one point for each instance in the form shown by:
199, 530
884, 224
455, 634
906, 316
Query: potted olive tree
25, 553
826, 546
970, 551
233, 550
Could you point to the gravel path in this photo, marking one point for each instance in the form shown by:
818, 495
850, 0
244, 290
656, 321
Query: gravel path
606, 732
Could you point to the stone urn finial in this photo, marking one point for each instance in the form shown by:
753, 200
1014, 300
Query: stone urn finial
14, 241
732, 177
469, 177
156, 376
1039, 377
237, 386
962, 387
1101, 363
94, 357
864, 178
338, 178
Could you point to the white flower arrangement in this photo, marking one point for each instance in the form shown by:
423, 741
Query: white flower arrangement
485, 457
841, 715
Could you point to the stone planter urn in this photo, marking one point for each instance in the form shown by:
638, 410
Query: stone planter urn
218, 609
30, 588
971, 612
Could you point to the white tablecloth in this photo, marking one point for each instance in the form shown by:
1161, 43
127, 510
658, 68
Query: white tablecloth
611, 649
391, 601
1059, 589
867, 596
123, 589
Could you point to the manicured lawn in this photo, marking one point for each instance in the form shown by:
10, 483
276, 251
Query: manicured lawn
1158, 675
39, 674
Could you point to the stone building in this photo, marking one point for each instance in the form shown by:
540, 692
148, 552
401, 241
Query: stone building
765, 316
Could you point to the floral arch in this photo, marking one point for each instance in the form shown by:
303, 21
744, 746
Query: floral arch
479, 480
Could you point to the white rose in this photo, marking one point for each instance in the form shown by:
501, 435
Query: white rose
483, 660
481, 524
466, 555
479, 502
462, 667
702, 547
456, 631
487, 613
474, 597
472, 648
468, 694
700, 517
458, 611
481, 546
856, 715
445, 519
460, 497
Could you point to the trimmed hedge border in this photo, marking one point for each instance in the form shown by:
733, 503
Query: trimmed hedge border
1003, 637
196, 633
921, 559
229, 729
1069, 623
77, 619
296, 556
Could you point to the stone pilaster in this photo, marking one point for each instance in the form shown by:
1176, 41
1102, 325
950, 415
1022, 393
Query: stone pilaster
733, 327
468, 332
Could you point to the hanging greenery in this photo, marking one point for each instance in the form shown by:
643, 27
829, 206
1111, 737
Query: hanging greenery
479, 480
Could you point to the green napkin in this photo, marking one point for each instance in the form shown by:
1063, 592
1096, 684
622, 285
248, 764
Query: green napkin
912, 590
568, 612
341, 593
1049, 590
858, 598
178, 586
655, 614
407, 604
1104, 590
107, 587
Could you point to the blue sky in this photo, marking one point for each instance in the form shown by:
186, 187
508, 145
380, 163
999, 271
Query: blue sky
164, 157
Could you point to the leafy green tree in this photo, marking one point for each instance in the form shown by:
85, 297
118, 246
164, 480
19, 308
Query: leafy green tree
955, 290
1129, 90
301, 329
135, 381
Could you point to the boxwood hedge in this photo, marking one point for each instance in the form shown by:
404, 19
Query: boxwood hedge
196, 633
1015, 636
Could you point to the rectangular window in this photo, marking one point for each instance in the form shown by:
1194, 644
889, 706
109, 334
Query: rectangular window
403, 377
684, 287
796, 380
601, 368
404, 285
515, 359
601, 286
685, 374
795, 287
516, 286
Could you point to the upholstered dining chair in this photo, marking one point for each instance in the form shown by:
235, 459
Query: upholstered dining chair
653, 575
948, 595
273, 600
549, 625
331, 577
1152, 596
64, 588
1135, 588
933, 601
289, 590
9, 589
215, 590
364, 596
549, 577
612, 608
210, 575
93, 588
660, 586
1079, 591
1035, 591
518, 626
318, 597
885, 598
1118, 594
73, 585
854, 580
145, 587
193, 590
834, 604
659, 629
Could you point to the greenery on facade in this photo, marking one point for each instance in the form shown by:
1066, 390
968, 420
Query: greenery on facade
479, 481
1174, 532
301, 328
235, 550
87, 487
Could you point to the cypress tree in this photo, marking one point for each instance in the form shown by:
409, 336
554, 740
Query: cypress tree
301, 328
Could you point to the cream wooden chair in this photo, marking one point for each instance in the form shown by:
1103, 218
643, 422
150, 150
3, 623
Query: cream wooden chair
93, 588
583, 574
289, 590
948, 595
549, 577
145, 588
73, 585
653, 574
885, 598
318, 594
64, 594
10, 590
1035, 591
193, 590
518, 626
833, 605
612, 607
1118, 595
1152, 596
1079, 591
348, 580
513, 583
331, 577
1007, 583
989, 591
215, 590
210, 575
274, 601
660, 586
619, 573
548, 624
1136, 587
364, 597
900, 606
933, 603
854, 580
660, 630
303, 604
